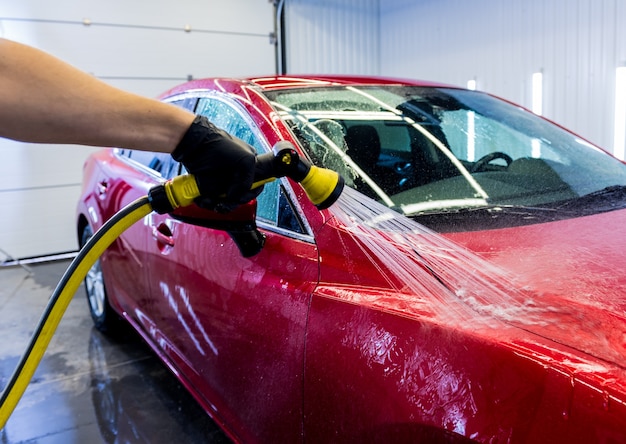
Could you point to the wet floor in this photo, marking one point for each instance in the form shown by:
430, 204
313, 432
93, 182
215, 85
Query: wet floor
88, 388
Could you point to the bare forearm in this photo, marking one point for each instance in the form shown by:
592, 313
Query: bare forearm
43, 99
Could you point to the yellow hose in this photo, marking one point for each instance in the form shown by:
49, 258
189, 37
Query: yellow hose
62, 297
322, 186
180, 191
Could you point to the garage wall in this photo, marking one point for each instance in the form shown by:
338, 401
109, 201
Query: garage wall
576, 44
144, 46
332, 36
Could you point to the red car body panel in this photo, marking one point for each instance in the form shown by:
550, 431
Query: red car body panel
585, 284
507, 379
254, 344
313, 341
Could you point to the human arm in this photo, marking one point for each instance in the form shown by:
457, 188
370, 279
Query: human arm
45, 100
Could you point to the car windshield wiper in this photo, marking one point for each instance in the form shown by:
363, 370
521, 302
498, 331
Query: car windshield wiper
490, 208
606, 199
490, 216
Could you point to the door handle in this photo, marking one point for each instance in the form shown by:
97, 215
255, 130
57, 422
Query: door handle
163, 235
102, 187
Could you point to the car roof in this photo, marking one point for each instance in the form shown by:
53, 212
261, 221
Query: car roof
276, 82
280, 82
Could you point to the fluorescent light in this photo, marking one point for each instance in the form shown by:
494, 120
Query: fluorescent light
471, 136
537, 91
471, 84
535, 148
619, 135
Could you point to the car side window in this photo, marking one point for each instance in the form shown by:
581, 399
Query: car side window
272, 204
161, 163
227, 118
189, 103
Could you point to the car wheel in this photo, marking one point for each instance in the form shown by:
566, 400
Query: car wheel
104, 317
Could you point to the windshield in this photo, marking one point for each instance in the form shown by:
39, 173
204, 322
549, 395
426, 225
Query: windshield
428, 151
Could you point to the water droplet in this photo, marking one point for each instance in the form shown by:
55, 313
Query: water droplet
605, 400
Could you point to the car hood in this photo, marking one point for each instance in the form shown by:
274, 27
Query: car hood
569, 278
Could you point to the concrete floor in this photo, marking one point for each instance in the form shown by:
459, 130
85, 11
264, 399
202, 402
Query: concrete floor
88, 388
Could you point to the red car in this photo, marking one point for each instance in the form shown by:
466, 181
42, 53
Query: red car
468, 286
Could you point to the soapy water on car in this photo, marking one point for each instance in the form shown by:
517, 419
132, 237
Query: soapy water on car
432, 277
437, 276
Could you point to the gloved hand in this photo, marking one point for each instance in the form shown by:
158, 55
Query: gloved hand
222, 165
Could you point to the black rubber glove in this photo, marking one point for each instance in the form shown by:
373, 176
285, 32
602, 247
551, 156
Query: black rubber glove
222, 165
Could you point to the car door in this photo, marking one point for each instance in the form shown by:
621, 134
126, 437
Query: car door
128, 175
125, 177
232, 325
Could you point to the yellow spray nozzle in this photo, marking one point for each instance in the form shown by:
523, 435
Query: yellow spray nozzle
322, 186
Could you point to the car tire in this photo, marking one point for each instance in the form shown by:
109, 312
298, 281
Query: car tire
105, 319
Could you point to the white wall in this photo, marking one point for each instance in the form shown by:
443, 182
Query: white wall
577, 44
332, 36
137, 45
